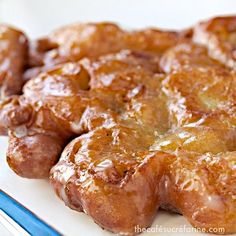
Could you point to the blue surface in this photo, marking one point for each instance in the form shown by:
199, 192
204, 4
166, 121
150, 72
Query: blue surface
25, 218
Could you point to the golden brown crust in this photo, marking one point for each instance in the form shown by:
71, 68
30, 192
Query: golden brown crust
218, 35
76, 97
13, 59
147, 128
187, 55
73, 42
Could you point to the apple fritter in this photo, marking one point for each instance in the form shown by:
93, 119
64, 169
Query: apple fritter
201, 110
219, 37
122, 165
138, 130
187, 55
126, 133
13, 59
73, 42
107, 174
74, 98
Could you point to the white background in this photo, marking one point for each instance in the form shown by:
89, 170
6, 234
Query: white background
38, 17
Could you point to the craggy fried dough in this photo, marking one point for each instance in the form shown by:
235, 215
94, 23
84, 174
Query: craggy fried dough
119, 165
187, 55
71, 43
74, 98
106, 174
127, 133
104, 171
138, 132
13, 58
201, 96
219, 37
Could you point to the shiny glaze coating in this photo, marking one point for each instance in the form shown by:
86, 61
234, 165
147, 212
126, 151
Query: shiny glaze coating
219, 36
110, 169
73, 42
138, 130
187, 55
13, 59
75, 98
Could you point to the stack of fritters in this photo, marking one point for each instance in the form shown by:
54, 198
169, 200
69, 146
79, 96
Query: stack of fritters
124, 123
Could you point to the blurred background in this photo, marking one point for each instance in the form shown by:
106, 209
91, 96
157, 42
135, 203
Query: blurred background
38, 17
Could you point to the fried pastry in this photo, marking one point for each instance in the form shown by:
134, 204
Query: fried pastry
71, 43
124, 134
111, 169
54, 106
13, 59
219, 36
134, 139
187, 55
